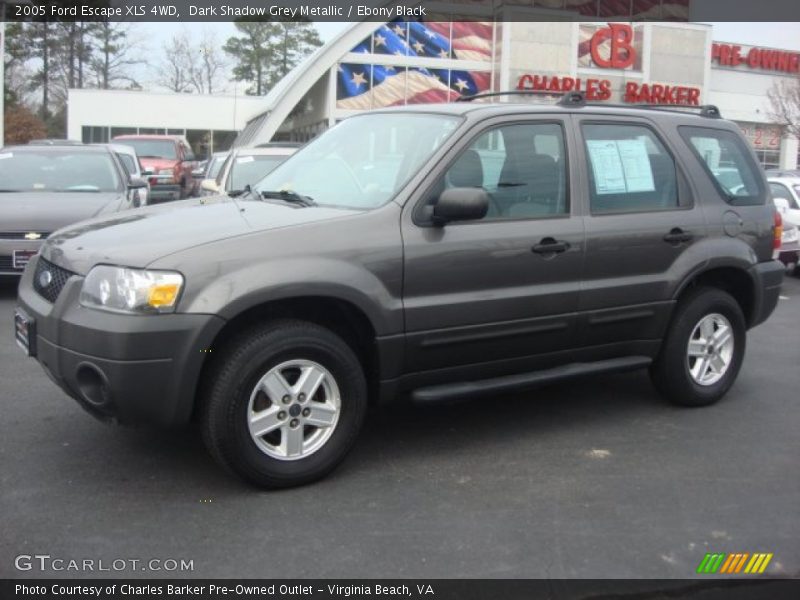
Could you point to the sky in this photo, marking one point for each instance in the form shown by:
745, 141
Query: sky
151, 36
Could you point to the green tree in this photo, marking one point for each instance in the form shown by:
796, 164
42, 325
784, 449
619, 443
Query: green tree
266, 51
113, 55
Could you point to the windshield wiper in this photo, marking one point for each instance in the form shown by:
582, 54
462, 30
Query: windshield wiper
287, 196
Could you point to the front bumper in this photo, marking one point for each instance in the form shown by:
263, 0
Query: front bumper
8, 249
767, 277
129, 368
164, 192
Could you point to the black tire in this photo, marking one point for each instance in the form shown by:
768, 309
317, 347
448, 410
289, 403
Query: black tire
670, 372
232, 377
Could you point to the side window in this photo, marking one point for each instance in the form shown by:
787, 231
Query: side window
521, 166
127, 162
629, 170
727, 160
222, 170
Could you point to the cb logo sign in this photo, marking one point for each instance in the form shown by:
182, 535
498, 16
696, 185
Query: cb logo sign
617, 38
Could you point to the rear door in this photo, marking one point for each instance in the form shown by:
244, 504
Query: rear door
642, 229
486, 292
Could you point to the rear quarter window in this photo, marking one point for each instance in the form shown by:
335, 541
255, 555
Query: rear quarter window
727, 160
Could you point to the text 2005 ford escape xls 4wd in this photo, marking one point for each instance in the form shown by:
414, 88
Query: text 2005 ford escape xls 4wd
437, 252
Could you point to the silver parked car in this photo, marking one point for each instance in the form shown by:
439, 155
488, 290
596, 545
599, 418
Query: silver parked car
133, 166
244, 167
47, 187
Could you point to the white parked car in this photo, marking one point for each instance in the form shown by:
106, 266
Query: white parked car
130, 160
786, 196
246, 166
788, 189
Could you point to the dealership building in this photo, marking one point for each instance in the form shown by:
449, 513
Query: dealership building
373, 65
601, 47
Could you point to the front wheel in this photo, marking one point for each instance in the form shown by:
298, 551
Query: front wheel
703, 350
283, 403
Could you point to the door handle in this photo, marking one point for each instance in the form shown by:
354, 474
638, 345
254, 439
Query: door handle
678, 236
550, 245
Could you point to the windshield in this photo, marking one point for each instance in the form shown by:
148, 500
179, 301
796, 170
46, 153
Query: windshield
153, 148
248, 170
57, 171
363, 161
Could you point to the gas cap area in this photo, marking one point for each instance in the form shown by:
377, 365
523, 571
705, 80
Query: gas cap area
732, 223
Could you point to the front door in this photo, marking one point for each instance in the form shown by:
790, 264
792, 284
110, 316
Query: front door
495, 292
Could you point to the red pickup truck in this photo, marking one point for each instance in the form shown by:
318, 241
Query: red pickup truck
168, 161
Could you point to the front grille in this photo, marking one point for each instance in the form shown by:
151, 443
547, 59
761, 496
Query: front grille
58, 279
20, 235
6, 263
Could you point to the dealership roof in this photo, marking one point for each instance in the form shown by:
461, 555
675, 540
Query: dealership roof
289, 91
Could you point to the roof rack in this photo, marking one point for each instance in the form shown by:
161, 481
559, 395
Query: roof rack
578, 100
564, 99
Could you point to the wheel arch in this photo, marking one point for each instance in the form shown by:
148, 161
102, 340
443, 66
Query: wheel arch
343, 317
733, 278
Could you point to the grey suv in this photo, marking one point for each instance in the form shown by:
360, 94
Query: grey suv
430, 252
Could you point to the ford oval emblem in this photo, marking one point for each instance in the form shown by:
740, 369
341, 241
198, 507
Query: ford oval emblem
45, 278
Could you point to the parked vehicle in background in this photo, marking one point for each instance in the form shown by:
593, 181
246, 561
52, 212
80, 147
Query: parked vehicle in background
210, 170
795, 173
170, 159
789, 250
130, 161
786, 197
246, 166
46, 187
788, 189
432, 252
54, 142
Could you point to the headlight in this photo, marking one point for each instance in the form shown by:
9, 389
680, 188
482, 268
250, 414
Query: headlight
136, 291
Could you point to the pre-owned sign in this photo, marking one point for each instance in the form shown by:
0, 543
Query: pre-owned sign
600, 89
763, 59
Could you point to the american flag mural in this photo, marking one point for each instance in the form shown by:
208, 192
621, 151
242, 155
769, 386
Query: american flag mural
361, 87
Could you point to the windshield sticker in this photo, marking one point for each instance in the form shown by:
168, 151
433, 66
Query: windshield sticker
621, 166
5, 155
39, 186
244, 159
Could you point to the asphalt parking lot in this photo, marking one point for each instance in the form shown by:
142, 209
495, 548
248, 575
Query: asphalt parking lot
596, 478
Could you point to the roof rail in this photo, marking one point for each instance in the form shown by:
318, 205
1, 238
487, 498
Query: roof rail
578, 100
563, 98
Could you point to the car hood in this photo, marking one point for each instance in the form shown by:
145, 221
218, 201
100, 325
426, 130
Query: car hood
49, 211
136, 238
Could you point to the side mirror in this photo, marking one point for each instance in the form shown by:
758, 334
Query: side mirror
210, 185
461, 204
135, 186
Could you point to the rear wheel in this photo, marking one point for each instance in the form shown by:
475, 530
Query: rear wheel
703, 350
284, 404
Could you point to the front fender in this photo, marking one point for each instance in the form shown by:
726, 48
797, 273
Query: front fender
250, 285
